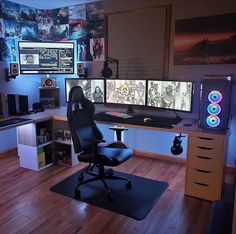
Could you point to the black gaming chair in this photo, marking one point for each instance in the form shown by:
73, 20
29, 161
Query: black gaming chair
86, 138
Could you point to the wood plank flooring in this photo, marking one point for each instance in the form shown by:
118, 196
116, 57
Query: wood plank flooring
27, 205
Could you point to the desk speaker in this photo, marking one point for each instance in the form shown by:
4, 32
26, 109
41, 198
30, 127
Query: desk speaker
215, 103
81, 71
14, 69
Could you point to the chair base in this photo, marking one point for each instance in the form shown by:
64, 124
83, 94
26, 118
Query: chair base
102, 176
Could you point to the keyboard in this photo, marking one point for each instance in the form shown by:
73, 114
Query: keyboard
118, 114
154, 121
9, 122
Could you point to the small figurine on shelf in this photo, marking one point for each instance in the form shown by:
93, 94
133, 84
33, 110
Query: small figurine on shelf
59, 134
67, 136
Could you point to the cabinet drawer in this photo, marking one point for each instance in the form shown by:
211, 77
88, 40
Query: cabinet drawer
204, 163
206, 142
202, 190
195, 189
203, 176
205, 152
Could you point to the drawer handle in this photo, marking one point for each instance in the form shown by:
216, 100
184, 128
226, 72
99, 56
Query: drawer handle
204, 171
205, 148
202, 157
205, 138
206, 185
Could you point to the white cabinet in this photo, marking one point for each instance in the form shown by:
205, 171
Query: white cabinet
35, 146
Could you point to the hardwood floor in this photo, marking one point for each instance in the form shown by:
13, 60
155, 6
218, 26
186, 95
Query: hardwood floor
27, 205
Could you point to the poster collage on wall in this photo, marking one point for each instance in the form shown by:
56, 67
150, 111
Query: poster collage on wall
83, 23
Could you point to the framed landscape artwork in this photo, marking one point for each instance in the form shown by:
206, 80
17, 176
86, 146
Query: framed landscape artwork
205, 40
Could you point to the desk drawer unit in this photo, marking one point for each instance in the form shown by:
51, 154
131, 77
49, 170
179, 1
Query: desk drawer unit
205, 163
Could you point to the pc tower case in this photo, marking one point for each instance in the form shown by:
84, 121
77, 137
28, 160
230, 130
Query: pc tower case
23, 104
215, 103
17, 104
3, 105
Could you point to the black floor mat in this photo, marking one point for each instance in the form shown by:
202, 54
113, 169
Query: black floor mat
135, 202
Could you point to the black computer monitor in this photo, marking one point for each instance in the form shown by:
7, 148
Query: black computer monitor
94, 89
174, 95
46, 57
130, 92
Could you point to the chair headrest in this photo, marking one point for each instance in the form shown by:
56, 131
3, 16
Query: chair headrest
76, 94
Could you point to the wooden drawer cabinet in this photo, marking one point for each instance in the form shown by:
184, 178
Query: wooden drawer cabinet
205, 162
206, 142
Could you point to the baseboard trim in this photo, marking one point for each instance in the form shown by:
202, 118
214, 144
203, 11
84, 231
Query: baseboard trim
159, 156
229, 168
8, 152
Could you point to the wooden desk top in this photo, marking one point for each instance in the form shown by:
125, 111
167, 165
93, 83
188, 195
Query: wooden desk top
186, 126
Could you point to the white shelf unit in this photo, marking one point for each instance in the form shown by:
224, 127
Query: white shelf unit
63, 146
28, 147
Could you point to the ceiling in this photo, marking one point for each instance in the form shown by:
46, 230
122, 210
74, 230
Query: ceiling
50, 4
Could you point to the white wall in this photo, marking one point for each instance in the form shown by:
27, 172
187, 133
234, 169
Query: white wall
182, 9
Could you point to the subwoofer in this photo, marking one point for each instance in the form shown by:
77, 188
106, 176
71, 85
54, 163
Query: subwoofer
215, 102
48, 82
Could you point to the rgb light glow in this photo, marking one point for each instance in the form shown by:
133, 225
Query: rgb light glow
215, 96
213, 121
213, 109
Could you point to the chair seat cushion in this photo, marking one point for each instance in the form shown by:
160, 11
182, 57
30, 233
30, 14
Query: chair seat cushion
113, 156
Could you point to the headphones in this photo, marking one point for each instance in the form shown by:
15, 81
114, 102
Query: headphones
177, 149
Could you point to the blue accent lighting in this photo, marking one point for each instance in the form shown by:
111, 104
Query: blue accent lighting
213, 109
215, 96
213, 121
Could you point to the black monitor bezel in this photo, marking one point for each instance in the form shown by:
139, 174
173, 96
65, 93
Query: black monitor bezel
46, 71
171, 109
86, 79
126, 104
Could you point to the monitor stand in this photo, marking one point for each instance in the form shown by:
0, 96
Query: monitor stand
130, 110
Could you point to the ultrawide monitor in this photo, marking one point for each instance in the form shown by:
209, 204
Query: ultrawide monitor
174, 95
46, 57
131, 92
94, 89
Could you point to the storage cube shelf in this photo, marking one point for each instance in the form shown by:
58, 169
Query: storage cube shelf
63, 146
33, 155
38, 146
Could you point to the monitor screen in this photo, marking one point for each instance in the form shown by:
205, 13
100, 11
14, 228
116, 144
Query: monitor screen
46, 57
175, 95
131, 92
94, 89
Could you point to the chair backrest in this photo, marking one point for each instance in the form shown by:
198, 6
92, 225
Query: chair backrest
80, 113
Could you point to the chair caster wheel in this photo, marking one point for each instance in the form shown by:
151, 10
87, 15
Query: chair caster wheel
110, 172
77, 194
81, 177
109, 196
128, 185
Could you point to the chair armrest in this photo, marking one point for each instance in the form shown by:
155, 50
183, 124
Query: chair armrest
94, 142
